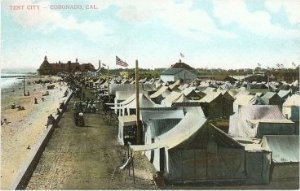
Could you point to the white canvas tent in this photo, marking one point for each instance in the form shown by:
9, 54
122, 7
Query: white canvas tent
126, 122
160, 94
157, 122
290, 107
174, 97
254, 121
195, 150
285, 148
125, 106
285, 156
246, 100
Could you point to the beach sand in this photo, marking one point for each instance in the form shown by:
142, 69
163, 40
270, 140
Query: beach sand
24, 127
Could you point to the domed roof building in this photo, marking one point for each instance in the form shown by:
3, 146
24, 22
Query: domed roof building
178, 71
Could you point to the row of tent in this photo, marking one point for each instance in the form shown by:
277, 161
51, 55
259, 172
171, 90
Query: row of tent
199, 83
181, 140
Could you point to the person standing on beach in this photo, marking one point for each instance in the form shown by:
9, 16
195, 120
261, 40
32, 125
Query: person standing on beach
35, 101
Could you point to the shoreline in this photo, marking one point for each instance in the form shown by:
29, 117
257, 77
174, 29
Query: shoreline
24, 127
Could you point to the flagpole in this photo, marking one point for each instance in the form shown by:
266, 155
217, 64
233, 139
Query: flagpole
138, 124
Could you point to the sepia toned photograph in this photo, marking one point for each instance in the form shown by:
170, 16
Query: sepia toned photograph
150, 94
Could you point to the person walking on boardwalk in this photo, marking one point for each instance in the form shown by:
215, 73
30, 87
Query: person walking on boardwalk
80, 120
75, 115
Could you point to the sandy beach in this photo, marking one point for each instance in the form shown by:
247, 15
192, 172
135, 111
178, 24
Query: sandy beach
24, 127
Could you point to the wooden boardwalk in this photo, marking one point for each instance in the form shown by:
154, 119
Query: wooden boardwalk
88, 157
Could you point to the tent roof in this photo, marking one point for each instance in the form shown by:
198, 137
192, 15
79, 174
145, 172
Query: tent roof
261, 112
175, 97
294, 100
285, 148
268, 95
191, 132
283, 93
210, 97
147, 115
188, 90
144, 101
209, 89
256, 121
160, 91
239, 124
128, 100
130, 87
244, 99
175, 84
123, 95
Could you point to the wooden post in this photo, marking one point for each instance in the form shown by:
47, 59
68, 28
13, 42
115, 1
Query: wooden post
138, 125
108, 80
24, 87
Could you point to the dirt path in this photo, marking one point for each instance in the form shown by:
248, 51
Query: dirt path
87, 158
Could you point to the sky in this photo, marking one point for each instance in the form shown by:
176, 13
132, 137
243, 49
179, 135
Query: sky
227, 34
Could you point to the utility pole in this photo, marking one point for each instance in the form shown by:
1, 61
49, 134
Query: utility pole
138, 124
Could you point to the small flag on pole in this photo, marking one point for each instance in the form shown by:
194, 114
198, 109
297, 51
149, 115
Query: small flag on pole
181, 55
120, 62
258, 64
103, 64
294, 64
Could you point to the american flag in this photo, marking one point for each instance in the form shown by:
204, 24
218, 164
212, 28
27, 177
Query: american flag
181, 55
120, 62
258, 64
104, 64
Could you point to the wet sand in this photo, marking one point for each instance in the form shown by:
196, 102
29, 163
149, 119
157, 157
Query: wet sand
24, 127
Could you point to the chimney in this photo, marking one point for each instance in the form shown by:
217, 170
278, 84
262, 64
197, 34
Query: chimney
99, 64
179, 60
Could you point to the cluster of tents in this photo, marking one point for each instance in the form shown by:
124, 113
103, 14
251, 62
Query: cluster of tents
183, 143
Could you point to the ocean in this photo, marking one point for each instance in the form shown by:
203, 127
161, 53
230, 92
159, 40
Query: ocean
11, 77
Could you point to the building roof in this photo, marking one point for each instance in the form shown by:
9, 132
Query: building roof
172, 71
182, 65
